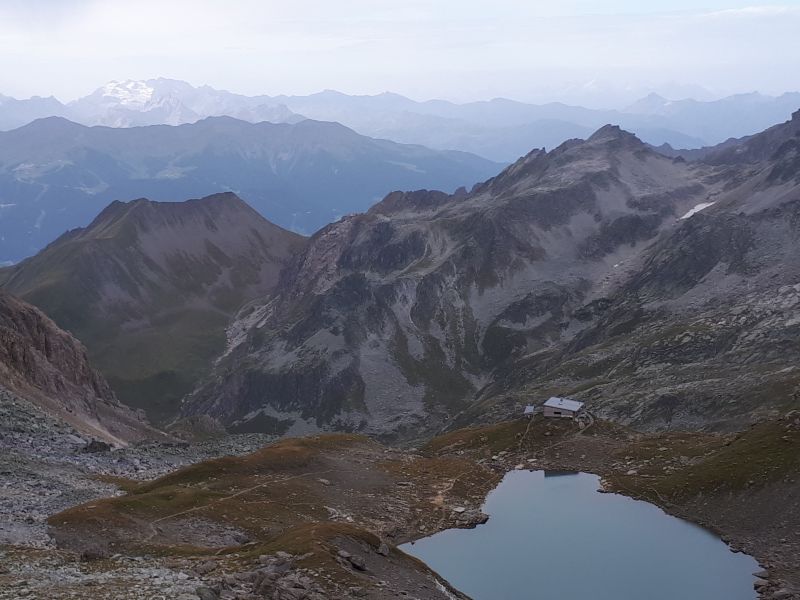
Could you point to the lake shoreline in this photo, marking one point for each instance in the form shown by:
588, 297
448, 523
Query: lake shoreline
614, 454
537, 531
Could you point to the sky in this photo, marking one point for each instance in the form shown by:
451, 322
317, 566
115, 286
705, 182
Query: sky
597, 53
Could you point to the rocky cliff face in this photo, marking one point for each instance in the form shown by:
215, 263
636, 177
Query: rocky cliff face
149, 288
49, 367
393, 320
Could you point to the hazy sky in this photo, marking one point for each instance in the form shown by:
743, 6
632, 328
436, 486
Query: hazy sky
595, 51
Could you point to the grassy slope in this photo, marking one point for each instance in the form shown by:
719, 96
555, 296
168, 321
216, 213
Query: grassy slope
765, 453
278, 488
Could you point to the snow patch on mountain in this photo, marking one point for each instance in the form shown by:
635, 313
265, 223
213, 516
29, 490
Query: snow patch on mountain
129, 93
696, 209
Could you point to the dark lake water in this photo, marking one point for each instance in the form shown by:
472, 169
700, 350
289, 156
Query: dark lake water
554, 537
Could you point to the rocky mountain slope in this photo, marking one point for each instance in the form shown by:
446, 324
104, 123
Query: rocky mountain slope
50, 368
662, 292
150, 286
703, 331
56, 175
392, 321
659, 290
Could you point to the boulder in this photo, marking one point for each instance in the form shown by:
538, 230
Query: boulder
206, 593
358, 562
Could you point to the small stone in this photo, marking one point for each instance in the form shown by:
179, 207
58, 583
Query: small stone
96, 446
632, 472
206, 567
761, 574
358, 562
324, 481
206, 593
459, 509
383, 549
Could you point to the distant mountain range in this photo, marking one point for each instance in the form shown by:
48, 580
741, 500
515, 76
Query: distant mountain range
56, 175
499, 129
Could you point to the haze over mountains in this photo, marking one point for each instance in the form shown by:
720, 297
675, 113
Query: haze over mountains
500, 129
56, 175
298, 172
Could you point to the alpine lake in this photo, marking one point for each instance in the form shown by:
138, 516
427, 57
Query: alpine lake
554, 536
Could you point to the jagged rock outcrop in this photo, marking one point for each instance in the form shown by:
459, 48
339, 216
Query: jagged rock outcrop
391, 321
50, 368
149, 287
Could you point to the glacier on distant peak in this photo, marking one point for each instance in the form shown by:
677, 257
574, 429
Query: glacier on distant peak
129, 92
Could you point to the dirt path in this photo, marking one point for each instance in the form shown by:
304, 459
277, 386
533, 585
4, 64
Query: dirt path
154, 530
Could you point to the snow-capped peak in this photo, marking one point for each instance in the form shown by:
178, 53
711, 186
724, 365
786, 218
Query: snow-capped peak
128, 93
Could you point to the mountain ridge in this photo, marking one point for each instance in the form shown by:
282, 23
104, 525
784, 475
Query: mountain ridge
433, 309
500, 129
149, 287
395, 317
